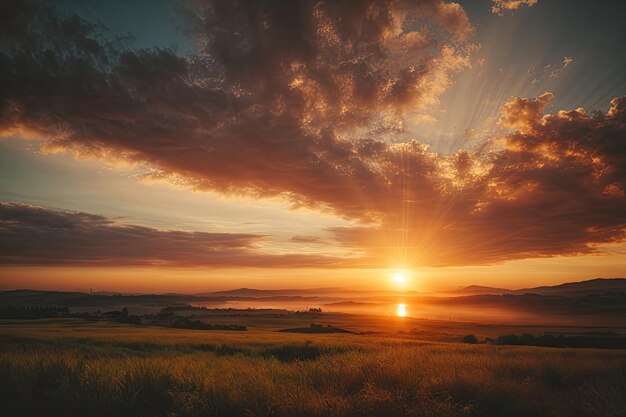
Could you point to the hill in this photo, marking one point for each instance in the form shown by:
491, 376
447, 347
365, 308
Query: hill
480, 290
588, 287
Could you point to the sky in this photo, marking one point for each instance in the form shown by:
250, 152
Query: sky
186, 146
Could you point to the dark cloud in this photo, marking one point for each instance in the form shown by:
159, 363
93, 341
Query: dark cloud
31, 235
296, 99
265, 105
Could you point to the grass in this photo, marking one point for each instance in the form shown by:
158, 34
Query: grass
96, 369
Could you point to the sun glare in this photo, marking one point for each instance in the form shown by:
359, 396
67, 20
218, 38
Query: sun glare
401, 310
399, 278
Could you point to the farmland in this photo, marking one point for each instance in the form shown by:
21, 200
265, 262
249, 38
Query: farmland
66, 367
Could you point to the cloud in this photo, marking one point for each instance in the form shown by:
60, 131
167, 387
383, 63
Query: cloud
553, 186
31, 235
567, 60
306, 239
555, 70
307, 101
500, 6
550, 71
522, 113
268, 106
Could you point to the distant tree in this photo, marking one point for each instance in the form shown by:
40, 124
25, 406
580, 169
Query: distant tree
182, 323
470, 338
130, 319
508, 339
124, 312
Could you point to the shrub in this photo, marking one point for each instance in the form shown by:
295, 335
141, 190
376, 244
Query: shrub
470, 338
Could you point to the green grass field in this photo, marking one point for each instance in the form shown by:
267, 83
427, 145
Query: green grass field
73, 368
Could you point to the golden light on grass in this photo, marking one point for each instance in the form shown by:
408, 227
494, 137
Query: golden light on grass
401, 310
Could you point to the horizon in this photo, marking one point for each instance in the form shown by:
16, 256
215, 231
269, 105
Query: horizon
339, 290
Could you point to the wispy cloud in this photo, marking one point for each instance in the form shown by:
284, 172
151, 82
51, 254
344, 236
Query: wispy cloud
31, 235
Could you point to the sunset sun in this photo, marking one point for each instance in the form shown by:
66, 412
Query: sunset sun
399, 278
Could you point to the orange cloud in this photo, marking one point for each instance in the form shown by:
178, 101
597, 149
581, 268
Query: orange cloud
500, 6
522, 113
555, 188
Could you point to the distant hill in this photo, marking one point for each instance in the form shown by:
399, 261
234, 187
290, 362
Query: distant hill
591, 302
37, 297
301, 292
602, 292
481, 290
589, 287
256, 293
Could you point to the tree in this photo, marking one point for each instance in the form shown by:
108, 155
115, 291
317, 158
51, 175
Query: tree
470, 338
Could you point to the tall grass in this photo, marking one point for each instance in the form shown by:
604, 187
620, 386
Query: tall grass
274, 376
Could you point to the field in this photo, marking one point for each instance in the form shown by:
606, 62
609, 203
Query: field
70, 367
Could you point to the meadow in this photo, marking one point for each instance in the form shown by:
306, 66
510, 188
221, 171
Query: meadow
73, 368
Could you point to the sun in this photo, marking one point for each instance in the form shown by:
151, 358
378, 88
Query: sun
399, 278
